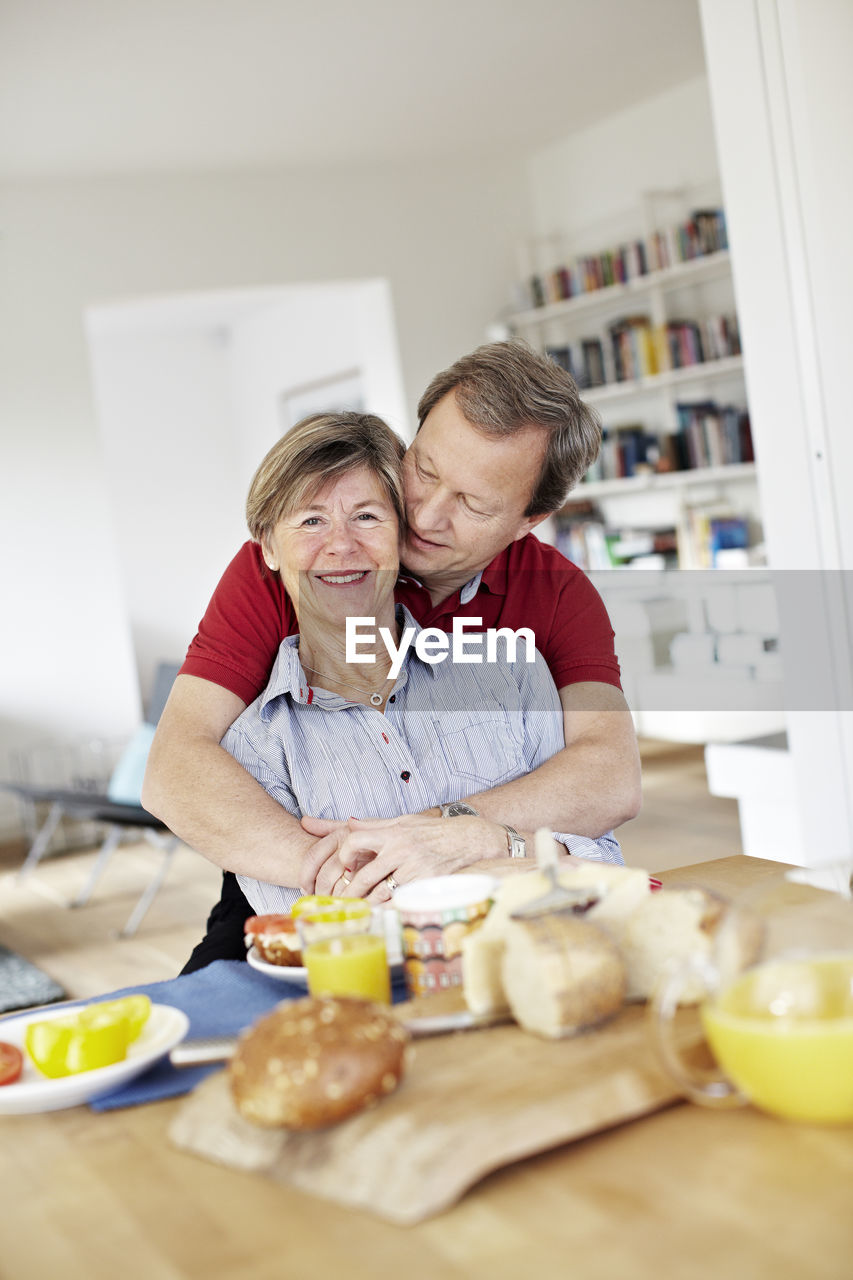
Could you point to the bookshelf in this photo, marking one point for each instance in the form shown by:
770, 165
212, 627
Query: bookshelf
652, 482
705, 371
675, 486
649, 331
664, 280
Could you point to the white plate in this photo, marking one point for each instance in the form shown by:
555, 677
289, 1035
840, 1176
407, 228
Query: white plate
283, 972
165, 1028
299, 976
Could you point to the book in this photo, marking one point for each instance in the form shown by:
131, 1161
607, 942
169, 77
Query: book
701, 234
593, 362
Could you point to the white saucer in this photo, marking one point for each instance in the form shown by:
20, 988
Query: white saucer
165, 1028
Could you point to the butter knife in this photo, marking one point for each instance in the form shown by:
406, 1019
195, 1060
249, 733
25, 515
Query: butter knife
201, 1052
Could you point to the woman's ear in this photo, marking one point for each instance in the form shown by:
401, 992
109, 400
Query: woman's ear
270, 559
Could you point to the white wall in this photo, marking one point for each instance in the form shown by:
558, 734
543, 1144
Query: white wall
787, 168
163, 403
587, 190
188, 395
303, 335
442, 235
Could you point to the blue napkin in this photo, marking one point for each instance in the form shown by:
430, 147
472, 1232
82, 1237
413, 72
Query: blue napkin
220, 1000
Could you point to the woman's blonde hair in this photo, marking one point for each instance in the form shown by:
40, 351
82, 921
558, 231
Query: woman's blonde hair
315, 451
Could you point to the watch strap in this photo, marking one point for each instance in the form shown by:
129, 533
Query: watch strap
516, 844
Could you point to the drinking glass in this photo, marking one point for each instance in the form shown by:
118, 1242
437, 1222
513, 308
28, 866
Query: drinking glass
775, 991
344, 951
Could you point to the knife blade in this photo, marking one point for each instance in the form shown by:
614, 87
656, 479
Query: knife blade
203, 1051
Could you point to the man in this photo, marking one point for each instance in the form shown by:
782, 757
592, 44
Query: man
502, 437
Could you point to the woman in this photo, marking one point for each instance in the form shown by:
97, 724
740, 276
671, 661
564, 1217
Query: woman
335, 738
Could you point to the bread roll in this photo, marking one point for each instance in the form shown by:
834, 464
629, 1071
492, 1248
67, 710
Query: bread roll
275, 938
671, 925
622, 889
313, 1062
561, 974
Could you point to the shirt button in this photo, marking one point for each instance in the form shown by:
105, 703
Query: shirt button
405, 775
393, 698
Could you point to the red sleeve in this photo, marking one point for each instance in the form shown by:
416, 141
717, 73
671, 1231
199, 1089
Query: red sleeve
573, 630
239, 636
580, 646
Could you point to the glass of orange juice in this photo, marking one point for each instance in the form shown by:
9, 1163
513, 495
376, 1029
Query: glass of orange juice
776, 1002
344, 950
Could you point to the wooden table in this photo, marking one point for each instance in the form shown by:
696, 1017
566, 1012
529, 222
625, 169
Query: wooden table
684, 1193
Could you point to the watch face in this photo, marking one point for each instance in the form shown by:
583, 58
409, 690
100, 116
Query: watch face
459, 809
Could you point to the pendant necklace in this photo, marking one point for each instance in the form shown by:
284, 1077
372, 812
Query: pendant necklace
376, 698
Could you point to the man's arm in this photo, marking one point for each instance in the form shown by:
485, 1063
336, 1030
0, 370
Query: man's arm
208, 799
592, 785
589, 787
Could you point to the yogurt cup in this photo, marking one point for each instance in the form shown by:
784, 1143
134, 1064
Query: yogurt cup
435, 915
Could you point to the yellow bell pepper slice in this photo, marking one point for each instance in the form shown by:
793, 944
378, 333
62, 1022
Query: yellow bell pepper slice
135, 1010
97, 1036
47, 1044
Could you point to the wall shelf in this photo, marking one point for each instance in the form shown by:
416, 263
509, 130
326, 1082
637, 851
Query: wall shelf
654, 481
697, 271
707, 370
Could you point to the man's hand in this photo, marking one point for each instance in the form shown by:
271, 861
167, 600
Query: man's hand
408, 848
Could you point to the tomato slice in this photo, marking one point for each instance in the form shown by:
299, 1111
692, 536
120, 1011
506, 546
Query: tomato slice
11, 1063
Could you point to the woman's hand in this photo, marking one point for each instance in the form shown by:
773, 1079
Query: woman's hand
409, 848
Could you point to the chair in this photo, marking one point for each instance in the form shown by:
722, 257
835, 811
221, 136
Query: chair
113, 802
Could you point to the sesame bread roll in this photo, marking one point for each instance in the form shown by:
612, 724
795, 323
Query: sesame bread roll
313, 1062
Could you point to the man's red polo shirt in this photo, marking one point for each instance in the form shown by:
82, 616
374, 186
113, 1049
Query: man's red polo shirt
528, 585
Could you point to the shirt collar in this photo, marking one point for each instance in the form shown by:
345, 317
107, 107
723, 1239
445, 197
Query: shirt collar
470, 589
493, 578
288, 676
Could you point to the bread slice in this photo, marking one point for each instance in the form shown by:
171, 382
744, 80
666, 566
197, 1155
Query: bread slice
561, 974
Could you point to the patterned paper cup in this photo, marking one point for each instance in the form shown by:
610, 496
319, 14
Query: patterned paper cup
435, 915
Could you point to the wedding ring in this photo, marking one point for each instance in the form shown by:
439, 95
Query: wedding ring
391, 883
346, 877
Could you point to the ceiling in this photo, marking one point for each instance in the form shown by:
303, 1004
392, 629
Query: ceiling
120, 86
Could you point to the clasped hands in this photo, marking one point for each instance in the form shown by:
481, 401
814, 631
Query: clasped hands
353, 858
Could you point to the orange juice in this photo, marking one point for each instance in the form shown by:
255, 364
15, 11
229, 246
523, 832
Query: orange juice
783, 1033
353, 965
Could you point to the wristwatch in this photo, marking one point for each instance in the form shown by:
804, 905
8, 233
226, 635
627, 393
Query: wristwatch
458, 809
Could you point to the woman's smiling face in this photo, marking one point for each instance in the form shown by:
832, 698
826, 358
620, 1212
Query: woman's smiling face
338, 553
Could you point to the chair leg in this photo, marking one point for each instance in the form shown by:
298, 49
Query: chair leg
39, 846
136, 916
107, 850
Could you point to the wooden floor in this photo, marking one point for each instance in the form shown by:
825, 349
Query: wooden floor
680, 824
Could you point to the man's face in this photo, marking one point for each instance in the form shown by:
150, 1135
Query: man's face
466, 494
